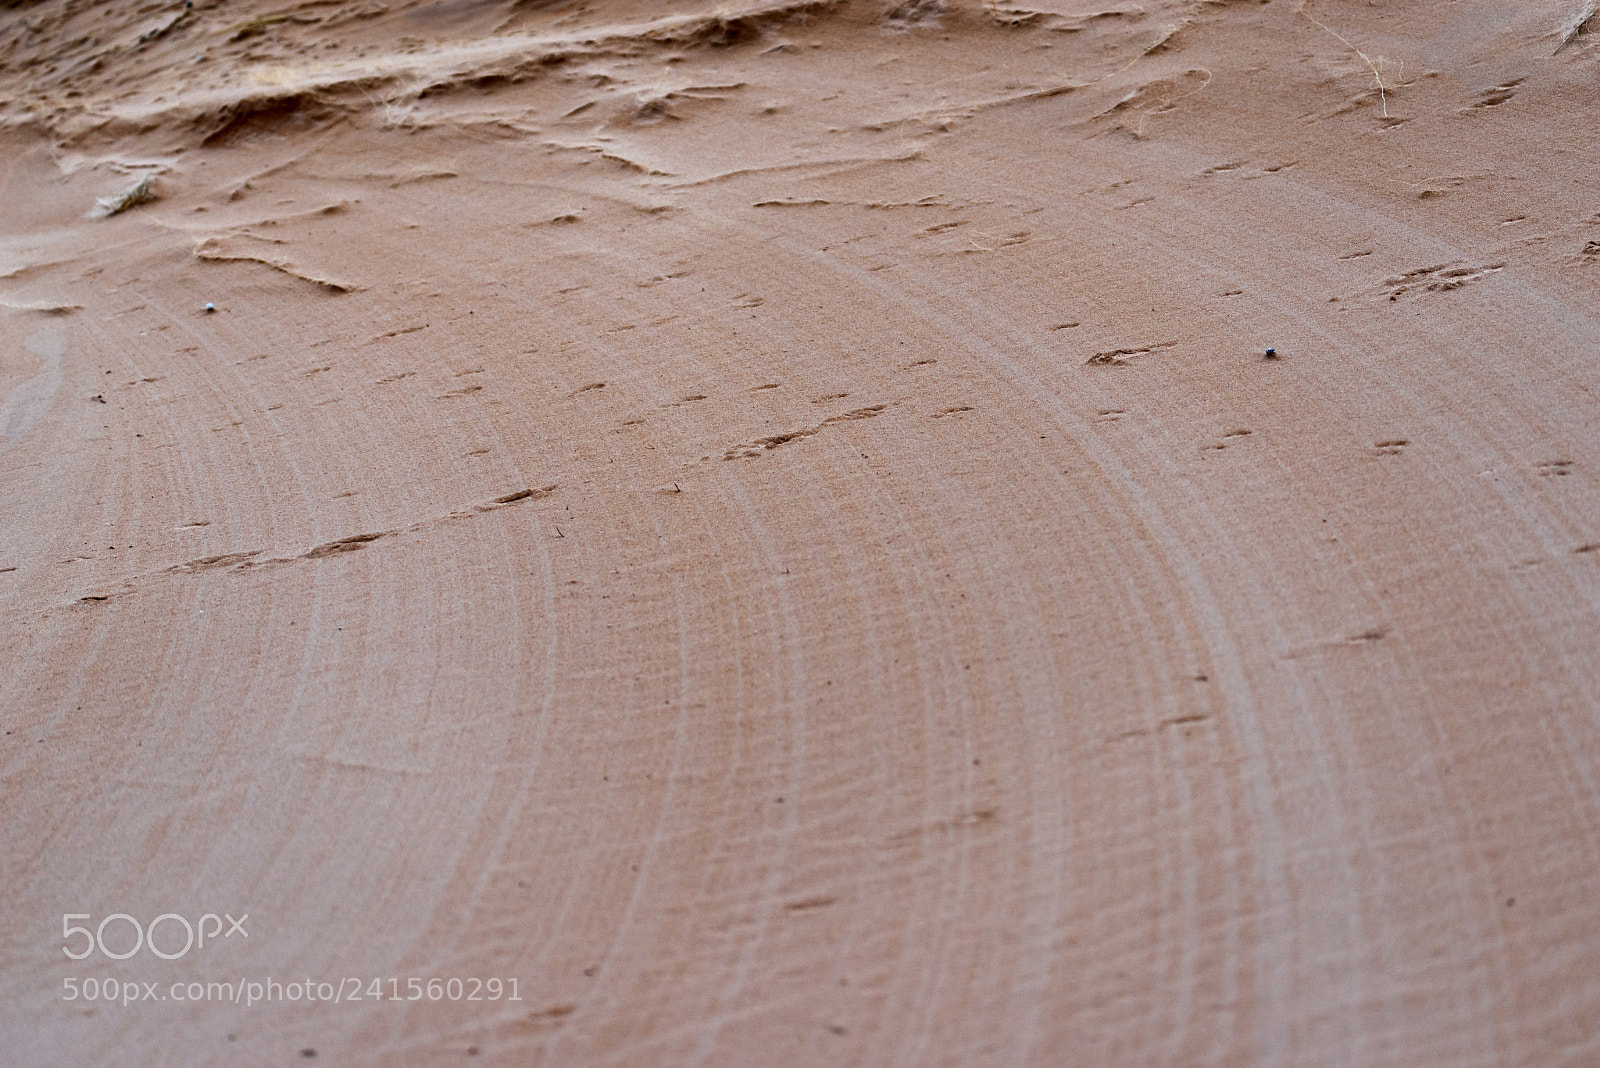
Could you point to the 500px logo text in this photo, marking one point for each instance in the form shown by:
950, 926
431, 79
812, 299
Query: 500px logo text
124, 930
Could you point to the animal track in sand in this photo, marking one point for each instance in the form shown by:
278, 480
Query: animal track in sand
1120, 357
397, 333
1554, 468
773, 441
349, 544
1493, 98
1440, 278
977, 817
1175, 721
213, 563
1016, 237
1370, 636
1230, 438
246, 561
810, 904
513, 498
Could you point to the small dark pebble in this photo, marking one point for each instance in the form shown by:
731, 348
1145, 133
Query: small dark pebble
1272, 354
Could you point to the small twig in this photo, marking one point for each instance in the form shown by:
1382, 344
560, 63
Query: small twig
1377, 76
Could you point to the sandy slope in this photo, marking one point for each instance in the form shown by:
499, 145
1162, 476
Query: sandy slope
773, 528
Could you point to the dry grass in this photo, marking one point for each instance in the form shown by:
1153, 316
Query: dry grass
1374, 67
1578, 22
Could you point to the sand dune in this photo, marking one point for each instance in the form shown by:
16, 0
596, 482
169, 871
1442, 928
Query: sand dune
772, 526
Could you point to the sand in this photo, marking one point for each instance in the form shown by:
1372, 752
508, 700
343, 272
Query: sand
771, 525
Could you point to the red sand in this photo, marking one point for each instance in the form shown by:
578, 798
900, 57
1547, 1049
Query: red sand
772, 527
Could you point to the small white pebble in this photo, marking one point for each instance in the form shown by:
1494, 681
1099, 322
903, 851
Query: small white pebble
211, 307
